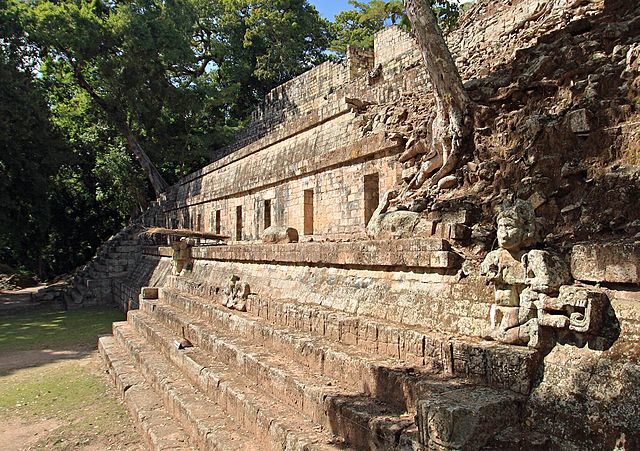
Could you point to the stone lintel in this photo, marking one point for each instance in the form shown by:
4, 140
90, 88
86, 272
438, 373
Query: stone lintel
149, 292
613, 263
413, 253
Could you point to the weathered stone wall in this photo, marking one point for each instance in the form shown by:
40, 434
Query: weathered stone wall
589, 391
150, 271
309, 134
392, 45
338, 199
410, 282
301, 96
306, 138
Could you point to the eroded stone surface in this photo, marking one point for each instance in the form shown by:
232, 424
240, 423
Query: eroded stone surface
466, 418
280, 234
614, 263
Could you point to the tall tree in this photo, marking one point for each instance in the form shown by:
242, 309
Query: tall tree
357, 26
451, 125
30, 150
112, 51
153, 66
266, 44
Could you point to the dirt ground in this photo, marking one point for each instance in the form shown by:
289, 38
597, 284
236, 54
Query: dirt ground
61, 399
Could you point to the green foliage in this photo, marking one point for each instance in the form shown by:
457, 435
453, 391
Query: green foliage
447, 12
30, 150
358, 26
264, 45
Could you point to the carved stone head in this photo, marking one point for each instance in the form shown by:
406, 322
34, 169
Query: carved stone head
516, 226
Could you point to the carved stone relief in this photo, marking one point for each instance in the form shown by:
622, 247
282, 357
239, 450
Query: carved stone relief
182, 260
237, 294
533, 291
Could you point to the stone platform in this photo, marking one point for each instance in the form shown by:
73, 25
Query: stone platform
292, 375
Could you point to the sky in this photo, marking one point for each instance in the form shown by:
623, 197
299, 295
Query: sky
329, 8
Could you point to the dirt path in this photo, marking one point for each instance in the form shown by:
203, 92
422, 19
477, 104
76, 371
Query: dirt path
52, 416
19, 434
10, 361
59, 396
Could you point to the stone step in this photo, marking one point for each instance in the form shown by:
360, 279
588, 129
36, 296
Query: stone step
100, 266
221, 390
78, 297
114, 261
394, 347
93, 273
469, 418
160, 430
397, 384
115, 269
129, 242
208, 426
126, 249
362, 421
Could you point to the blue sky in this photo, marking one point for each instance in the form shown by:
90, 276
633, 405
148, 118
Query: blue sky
329, 8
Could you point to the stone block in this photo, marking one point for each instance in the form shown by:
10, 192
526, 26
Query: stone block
280, 234
579, 121
613, 263
443, 259
466, 418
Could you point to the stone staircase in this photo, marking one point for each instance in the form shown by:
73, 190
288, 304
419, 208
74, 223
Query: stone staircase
107, 278
92, 283
285, 375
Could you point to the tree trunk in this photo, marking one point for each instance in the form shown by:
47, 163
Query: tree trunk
158, 183
450, 126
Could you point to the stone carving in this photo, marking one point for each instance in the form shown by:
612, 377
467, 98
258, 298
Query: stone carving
280, 234
375, 73
182, 260
385, 224
237, 294
532, 291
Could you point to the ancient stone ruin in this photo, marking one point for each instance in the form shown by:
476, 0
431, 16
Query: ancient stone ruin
495, 309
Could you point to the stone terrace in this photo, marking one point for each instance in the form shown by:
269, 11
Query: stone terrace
339, 341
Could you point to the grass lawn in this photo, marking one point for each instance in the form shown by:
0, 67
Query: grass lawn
54, 393
55, 329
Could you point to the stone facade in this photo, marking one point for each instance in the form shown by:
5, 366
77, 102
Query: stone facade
324, 333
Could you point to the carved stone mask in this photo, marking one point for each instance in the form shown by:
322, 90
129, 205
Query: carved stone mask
516, 226
510, 234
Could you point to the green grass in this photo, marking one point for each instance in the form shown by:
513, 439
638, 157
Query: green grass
55, 329
48, 390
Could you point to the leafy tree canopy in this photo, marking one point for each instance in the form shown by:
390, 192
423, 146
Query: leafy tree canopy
358, 26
